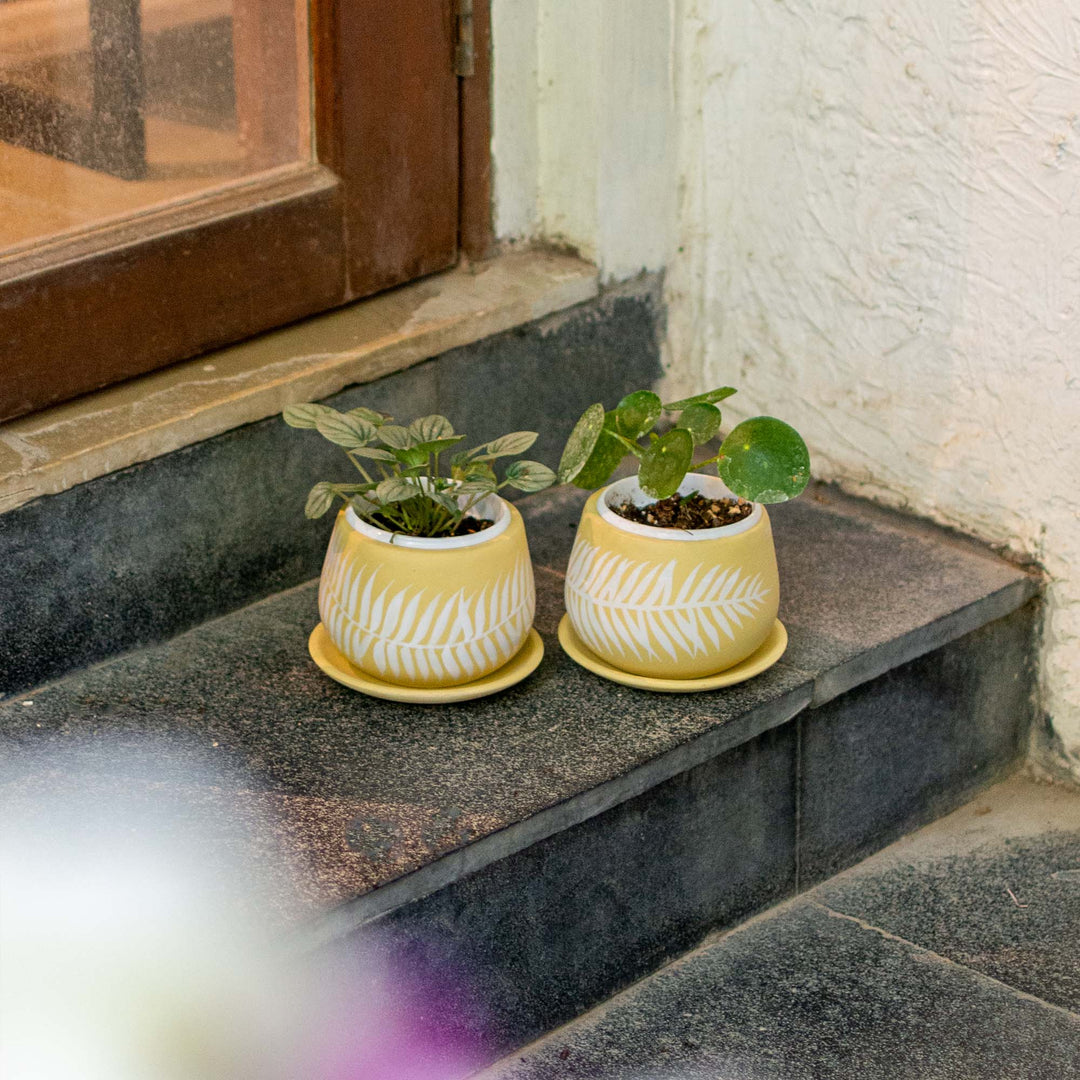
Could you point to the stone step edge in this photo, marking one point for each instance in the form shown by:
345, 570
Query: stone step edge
816, 691
956, 624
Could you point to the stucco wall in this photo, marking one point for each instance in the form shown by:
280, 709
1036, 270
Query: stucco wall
876, 235
880, 230
584, 128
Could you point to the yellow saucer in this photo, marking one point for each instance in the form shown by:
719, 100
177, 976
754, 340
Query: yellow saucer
757, 662
326, 654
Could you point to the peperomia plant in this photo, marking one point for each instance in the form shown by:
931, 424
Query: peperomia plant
762, 459
402, 487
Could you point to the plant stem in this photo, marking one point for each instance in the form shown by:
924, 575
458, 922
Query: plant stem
356, 462
628, 443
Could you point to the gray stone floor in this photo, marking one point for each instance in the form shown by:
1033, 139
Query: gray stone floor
952, 954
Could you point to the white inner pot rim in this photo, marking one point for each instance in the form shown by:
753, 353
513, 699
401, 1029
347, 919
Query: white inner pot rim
712, 487
493, 507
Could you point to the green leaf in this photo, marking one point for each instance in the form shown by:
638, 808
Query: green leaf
604, 459
479, 486
304, 416
431, 429
413, 457
765, 460
445, 500
580, 444
530, 476
710, 397
437, 446
374, 453
517, 442
637, 413
396, 437
665, 463
396, 489
352, 432
370, 415
320, 499
478, 470
701, 420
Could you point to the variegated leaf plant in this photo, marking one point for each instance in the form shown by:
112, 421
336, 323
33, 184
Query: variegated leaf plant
402, 485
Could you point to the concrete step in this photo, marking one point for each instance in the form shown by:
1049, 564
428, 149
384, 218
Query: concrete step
554, 843
951, 954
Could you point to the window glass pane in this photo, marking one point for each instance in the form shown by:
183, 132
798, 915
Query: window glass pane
108, 107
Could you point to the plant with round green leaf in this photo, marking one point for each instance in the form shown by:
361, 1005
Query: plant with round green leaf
763, 459
402, 485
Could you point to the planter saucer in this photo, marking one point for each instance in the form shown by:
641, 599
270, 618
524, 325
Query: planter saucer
757, 662
326, 654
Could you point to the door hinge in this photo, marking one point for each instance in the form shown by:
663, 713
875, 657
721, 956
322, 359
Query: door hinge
464, 50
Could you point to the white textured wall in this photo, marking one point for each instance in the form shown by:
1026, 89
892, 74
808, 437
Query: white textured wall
515, 136
880, 241
584, 128
870, 219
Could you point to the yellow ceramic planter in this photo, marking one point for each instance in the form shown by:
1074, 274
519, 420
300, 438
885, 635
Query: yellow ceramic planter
426, 612
671, 603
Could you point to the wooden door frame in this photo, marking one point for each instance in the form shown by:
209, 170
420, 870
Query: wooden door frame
393, 196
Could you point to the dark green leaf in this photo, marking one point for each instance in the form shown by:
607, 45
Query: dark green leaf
710, 397
320, 499
603, 461
701, 420
411, 457
765, 460
431, 429
396, 437
581, 442
637, 413
304, 416
352, 432
665, 463
437, 446
530, 476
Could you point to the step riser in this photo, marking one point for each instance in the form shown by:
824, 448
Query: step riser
140, 555
545, 934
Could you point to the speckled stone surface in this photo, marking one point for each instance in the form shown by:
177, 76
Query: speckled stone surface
917, 963
373, 793
372, 790
556, 841
864, 589
547, 932
995, 887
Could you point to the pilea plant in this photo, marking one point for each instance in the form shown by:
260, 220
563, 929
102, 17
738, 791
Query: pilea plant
763, 459
402, 487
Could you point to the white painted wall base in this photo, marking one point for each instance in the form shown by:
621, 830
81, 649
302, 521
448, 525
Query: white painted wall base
584, 126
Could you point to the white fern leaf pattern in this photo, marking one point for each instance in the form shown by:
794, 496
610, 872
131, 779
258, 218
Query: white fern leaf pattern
620, 606
419, 634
